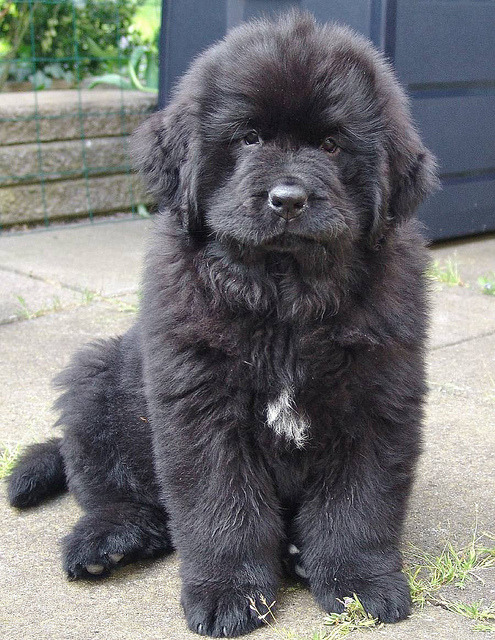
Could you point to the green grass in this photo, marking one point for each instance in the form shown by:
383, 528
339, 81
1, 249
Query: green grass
477, 610
353, 618
268, 618
445, 272
487, 283
427, 574
28, 314
86, 297
124, 306
8, 458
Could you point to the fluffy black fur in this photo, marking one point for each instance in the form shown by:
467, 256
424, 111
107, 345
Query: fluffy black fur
271, 391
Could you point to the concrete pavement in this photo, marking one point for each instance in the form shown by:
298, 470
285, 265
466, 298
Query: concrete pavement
62, 287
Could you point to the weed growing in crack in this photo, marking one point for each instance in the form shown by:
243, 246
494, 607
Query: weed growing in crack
28, 314
427, 574
446, 272
487, 284
353, 618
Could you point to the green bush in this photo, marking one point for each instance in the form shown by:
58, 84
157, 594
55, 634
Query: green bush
70, 39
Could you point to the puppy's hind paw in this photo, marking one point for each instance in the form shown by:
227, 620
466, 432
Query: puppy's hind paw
101, 542
99, 569
91, 554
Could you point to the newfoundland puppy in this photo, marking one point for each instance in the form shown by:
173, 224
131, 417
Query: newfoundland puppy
265, 410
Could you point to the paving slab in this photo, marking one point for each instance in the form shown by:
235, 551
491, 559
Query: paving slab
105, 257
453, 493
33, 351
459, 314
455, 477
466, 370
474, 257
24, 297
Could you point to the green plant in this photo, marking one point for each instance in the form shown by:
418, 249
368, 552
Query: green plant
446, 272
477, 610
141, 72
487, 283
88, 295
8, 458
427, 574
14, 26
66, 31
28, 314
482, 626
353, 618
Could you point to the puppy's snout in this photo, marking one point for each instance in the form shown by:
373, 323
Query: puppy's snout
287, 200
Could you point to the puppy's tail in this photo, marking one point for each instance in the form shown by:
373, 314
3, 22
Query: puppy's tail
38, 474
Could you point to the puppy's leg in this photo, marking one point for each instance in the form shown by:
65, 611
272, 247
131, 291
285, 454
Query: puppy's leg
224, 512
108, 460
115, 534
350, 524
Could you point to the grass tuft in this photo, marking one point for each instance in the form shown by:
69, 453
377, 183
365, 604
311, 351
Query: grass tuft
475, 611
28, 314
353, 618
446, 272
268, 617
8, 458
482, 626
487, 284
427, 574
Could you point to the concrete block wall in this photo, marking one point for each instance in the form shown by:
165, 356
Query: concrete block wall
64, 154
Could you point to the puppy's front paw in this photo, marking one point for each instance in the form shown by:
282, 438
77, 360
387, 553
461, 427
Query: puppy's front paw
386, 597
225, 611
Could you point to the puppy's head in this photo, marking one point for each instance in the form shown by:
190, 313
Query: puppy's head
287, 133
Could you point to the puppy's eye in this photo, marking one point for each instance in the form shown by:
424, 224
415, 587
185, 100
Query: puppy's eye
252, 138
330, 146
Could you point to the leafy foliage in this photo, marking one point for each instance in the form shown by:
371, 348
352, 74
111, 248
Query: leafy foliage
71, 39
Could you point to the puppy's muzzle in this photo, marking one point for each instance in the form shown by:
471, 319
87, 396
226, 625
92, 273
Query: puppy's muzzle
287, 200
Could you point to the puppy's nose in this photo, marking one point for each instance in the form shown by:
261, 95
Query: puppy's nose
287, 200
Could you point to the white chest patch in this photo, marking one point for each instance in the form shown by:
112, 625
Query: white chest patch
283, 417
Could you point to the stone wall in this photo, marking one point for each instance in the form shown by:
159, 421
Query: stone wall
63, 154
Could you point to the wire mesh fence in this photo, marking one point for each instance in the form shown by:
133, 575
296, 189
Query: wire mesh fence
76, 77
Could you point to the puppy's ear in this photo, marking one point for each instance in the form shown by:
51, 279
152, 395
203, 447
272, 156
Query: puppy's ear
163, 150
412, 176
406, 179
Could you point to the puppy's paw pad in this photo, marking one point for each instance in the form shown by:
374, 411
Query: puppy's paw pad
115, 557
91, 558
95, 569
300, 571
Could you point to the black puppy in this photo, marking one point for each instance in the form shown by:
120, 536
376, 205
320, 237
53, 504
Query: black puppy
270, 393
